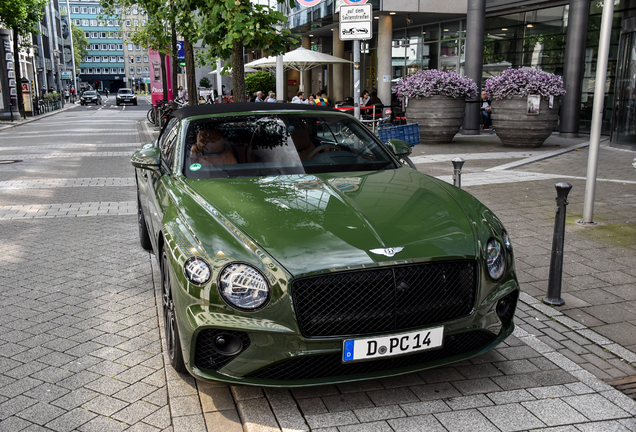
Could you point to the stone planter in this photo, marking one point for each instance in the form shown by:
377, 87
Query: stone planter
439, 117
515, 128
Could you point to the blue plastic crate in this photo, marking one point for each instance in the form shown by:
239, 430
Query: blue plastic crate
409, 133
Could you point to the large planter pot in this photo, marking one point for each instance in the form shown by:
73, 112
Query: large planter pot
439, 117
516, 128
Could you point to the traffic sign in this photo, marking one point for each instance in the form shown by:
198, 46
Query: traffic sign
355, 2
309, 3
355, 22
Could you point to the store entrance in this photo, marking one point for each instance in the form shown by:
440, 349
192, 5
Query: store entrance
624, 118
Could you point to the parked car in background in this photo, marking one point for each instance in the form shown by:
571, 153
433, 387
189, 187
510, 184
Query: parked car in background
126, 95
91, 96
295, 249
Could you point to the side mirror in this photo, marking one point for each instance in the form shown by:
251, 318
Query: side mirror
399, 148
148, 157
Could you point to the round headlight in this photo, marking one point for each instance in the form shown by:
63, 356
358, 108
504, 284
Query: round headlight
506, 240
243, 287
495, 260
197, 271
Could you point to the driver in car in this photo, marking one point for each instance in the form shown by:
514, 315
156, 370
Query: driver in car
211, 149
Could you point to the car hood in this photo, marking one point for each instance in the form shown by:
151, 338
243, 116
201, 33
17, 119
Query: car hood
311, 223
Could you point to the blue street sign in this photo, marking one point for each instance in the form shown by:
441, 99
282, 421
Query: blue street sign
180, 51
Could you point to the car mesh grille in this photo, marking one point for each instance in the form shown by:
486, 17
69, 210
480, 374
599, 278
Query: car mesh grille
207, 357
384, 299
330, 365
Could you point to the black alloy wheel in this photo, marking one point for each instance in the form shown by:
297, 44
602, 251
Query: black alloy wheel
173, 343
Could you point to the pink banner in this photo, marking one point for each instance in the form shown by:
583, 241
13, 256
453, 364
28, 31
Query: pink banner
156, 84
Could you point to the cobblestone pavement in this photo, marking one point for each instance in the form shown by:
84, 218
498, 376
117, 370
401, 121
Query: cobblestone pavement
81, 331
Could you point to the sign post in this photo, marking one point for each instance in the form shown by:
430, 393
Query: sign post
355, 25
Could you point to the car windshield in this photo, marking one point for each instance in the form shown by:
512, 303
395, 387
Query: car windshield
274, 144
125, 91
89, 93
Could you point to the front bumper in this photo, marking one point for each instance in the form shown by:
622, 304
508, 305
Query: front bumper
270, 356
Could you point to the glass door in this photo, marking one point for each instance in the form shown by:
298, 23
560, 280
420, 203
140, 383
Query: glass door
624, 119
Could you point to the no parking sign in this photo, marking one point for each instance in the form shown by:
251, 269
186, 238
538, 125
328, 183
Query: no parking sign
355, 2
309, 3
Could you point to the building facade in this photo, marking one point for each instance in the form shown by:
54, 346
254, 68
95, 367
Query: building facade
104, 65
411, 35
137, 65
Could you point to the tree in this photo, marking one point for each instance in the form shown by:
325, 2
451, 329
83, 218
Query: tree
22, 17
204, 82
263, 81
80, 45
230, 25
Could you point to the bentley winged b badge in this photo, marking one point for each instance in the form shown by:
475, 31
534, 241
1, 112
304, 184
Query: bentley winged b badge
389, 252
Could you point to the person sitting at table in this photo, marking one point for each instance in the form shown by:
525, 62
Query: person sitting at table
364, 98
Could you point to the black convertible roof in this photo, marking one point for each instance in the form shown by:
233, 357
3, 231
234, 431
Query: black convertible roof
245, 108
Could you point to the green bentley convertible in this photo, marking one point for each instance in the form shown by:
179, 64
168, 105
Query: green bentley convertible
297, 249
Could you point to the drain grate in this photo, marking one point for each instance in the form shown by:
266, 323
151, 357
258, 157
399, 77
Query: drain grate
626, 385
7, 161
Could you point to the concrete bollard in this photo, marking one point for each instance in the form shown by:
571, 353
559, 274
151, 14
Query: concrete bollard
556, 260
457, 171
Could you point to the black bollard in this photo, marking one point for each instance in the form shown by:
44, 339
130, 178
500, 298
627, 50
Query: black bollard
556, 260
457, 171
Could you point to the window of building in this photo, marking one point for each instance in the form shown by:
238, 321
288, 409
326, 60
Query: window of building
93, 22
81, 70
137, 47
131, 70
102, 35
104, 47
135, 11
138, 59
84, 10
92, 10
90, 70
110, 23
120, 58
87, 34
136, 23
145, 59
143, 23
88, 59
112, 59
86, 22
138, 70
120, 47
98, 70
75, 9
122, 70
99, 10
130, 47
127, 23
77, 22
146, 69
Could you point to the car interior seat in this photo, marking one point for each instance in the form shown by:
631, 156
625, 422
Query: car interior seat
302, 140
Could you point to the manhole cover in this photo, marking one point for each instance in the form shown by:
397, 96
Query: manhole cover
626, 385
9, 161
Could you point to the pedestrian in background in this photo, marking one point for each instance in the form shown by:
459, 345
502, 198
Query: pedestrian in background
485, 110
310, 99
272, 97
259, 96
299, 98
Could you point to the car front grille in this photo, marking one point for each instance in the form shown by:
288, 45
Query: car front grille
384, 299
330, 365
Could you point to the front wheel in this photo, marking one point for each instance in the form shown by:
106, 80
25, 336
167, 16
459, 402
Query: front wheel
173, 343
144, 237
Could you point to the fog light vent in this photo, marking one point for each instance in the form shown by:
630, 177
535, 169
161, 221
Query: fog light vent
506, 307
216, 348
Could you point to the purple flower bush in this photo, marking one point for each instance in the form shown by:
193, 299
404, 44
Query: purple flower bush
523, 82
426, 83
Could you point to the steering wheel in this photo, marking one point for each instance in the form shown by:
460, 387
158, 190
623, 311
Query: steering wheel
321, 149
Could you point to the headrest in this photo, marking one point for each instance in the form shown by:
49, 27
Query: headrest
210, 141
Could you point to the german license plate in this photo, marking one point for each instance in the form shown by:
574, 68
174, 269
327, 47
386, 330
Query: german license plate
394, 345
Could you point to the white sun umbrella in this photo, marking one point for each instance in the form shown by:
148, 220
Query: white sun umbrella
300, 59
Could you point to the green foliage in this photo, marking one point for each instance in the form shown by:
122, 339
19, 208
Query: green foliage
263, 81
22, 15
52, 96
80, 45
204, 82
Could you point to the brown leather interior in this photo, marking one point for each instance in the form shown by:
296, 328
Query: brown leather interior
211, 149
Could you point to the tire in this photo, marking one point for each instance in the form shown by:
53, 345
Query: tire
151, 115
144, 237
118, 103
173, 343
135, 103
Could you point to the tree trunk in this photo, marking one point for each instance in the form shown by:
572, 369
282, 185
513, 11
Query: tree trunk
175, 61
238, 72
164, 78
18, 75
191, 82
